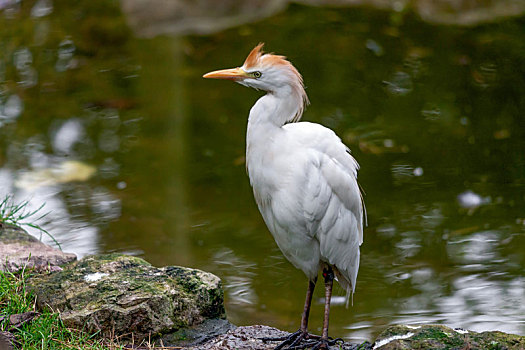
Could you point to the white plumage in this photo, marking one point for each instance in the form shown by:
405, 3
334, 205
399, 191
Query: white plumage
303, 177
304, 181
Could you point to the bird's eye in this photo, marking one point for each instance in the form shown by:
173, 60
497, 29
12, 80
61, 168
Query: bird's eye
256, 75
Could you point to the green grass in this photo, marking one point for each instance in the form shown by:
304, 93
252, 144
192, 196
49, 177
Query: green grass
46, 331
19, 214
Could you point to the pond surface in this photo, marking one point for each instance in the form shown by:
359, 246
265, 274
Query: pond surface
132, 151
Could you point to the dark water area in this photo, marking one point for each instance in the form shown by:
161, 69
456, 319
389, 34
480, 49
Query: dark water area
132, 151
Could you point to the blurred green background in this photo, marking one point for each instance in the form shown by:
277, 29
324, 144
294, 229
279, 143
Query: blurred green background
105, 118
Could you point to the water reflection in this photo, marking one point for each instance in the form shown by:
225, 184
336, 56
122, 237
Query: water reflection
238, 278
65, 52
27, 74
471, 200
63, 172
480, 247
74, 234
67, 135
431, 112
405, 173
42, 8
399, 84
375, 47
11, 110
477, 300
485, 75
409, 244
105, 206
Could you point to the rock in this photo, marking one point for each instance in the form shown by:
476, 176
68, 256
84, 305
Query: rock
244, 338
249, 337
121, 295
394, 337
18, 249
442, 337
17, 320
195, 336
7, 341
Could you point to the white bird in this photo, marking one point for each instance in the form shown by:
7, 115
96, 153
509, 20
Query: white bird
304, 181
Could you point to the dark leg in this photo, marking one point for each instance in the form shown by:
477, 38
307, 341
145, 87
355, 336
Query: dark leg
325, 342
295, 338
307, 304
302, 339
328, 274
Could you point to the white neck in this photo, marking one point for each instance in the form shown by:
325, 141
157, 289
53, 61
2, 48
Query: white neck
267, 116
279, 107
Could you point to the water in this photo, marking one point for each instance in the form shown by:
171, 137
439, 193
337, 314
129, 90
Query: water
132, 151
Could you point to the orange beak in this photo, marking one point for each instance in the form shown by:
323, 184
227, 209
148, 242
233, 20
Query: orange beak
228, 74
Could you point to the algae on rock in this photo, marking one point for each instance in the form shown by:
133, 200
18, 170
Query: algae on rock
402, 337
123, 295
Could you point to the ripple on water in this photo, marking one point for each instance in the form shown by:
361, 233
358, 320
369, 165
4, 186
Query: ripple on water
42, 8
478, 248
399, 84
480, 303
12, 109
238, 275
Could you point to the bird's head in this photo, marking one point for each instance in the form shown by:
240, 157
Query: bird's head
268, 72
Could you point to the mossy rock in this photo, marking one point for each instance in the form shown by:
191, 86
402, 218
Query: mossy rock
122, 295
442, 337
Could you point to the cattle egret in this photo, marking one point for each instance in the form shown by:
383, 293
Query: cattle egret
305, 184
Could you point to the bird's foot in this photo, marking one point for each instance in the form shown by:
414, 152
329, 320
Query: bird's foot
303, 340
291, 340
317, 344
325, 343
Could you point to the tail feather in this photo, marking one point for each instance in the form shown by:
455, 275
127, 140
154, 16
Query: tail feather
346, 285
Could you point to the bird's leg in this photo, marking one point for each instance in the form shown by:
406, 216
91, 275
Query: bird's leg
316, 342
328, 275
324, 342
295, 338
307, 304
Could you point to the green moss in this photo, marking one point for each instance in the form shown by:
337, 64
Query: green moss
215, 305
442, 337
393, 331
188, 279
496, 340
130, 293
430, 333
96, 262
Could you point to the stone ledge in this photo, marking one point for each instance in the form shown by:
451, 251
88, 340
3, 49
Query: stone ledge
18, 250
